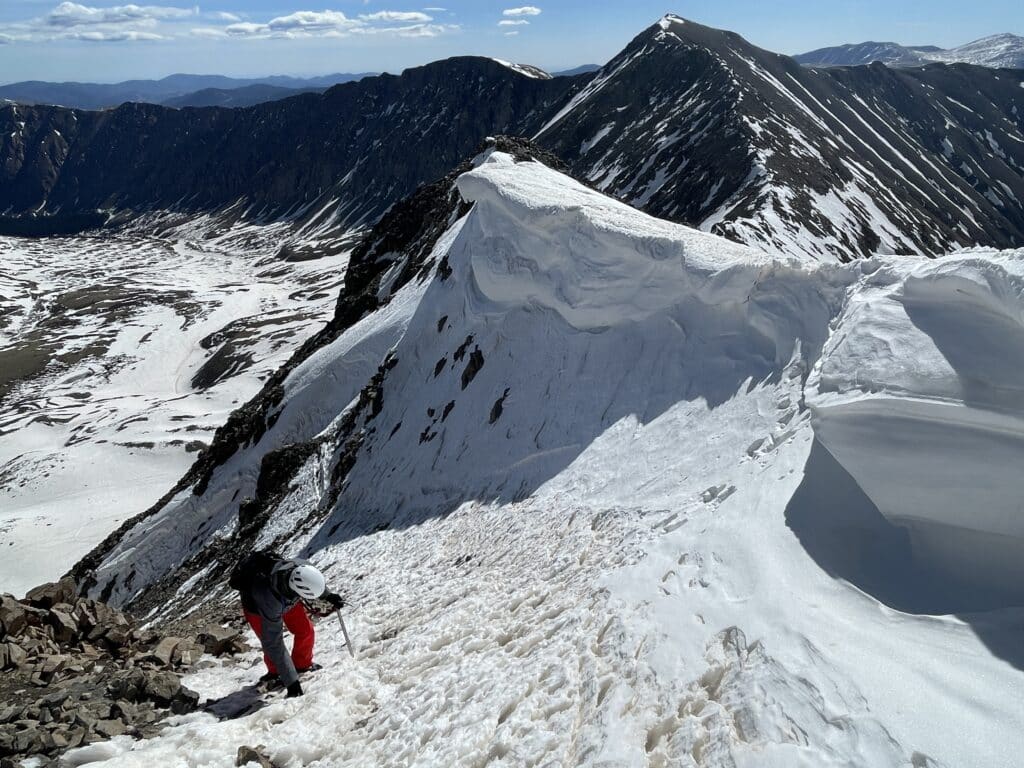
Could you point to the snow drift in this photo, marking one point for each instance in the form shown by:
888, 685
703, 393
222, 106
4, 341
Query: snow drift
920, 395
568, 477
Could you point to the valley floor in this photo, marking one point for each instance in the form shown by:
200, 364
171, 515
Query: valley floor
119, 357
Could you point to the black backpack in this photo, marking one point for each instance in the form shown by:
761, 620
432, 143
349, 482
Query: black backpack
252, 567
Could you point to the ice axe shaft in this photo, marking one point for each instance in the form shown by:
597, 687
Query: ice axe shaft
344, 631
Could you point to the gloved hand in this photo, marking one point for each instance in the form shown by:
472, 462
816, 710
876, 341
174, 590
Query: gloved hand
335, 601
295, 689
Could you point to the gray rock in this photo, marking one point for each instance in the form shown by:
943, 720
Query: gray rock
110, 728
164, 651
16, 655
187, 653
28, 740
128, 686
219, 641
65, 628
13, 616
48, 595
250, 755
162, 687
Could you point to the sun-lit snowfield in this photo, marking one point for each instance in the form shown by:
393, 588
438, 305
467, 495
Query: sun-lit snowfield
119, 356
647, 556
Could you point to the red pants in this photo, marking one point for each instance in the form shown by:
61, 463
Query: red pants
298, 624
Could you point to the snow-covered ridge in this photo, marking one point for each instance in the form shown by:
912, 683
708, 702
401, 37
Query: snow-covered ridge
598, 263
586, 518
535, 73
1001, 51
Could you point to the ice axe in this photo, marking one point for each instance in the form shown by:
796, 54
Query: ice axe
344, 631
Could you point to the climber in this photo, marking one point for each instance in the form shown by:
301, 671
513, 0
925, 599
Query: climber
273, 589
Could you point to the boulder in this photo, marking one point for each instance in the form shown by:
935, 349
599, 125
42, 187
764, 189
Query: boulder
250, 755
13, 617
220, 641
65, 628
110, 728
16, 655
164, 651
162, 687
128, 686
28, 739
48, 595
186, 653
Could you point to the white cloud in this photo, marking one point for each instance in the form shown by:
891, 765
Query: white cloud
111, 35
71, 15
75, 21
245, 29
512, 22
311, 22
435, 9
526, 10
513, 33
410, 16
209, 33
334, 24
116, 23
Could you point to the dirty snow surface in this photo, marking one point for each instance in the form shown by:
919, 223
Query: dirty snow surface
637, 496
119, 357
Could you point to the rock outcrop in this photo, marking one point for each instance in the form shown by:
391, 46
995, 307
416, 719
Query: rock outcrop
77, 671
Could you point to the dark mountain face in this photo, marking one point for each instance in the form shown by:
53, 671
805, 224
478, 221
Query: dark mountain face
108, 95
245, 96
699, 126
688, 123
362, 145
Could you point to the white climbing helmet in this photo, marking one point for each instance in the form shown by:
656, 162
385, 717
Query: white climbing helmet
307, 582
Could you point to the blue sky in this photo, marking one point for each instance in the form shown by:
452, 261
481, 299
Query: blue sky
109, 41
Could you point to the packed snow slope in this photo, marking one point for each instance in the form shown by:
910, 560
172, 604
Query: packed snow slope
593, 484
120, 355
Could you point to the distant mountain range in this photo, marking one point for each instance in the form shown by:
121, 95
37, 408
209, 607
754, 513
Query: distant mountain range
174, 90
687, 123
1002, 51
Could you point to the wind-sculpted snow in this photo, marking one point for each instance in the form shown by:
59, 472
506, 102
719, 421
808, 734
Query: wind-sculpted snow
920, 395
568, 481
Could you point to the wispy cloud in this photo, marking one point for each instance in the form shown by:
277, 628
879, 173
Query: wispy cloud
70, 15
111, 35
526, 10
116, 23
119, 23
410, 16
512, 22
513, 33
332, 24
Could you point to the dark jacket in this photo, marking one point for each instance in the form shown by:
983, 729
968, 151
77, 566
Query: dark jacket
270, 598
